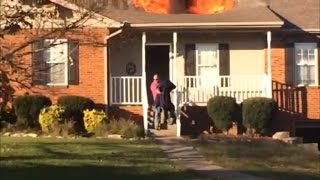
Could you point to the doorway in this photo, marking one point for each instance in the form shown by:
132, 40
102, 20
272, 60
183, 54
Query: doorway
157, 62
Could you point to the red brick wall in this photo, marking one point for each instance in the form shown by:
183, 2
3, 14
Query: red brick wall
91, 66
134, 113
300, 103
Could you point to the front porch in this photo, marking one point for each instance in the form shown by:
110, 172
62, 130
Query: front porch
232, 64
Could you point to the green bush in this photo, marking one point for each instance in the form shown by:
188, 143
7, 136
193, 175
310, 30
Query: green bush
257, 113
74, 107
50, 117
92, 118
221, 110
27, 109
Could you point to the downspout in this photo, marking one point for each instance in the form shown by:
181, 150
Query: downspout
107, 67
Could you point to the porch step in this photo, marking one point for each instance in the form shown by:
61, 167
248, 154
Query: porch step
170, 132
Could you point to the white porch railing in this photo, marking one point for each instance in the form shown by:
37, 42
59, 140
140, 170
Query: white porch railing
200, 89
125, 90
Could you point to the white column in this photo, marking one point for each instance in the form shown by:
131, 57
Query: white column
175, 78
144, 86
269, 89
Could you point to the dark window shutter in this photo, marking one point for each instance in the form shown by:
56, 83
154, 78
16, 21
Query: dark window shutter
73, 62
190, 60
39, 74
224, 59
289, 64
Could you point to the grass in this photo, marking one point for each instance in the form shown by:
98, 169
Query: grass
264, 158
52, 159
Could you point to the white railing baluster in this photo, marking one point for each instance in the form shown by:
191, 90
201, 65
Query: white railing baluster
125, 90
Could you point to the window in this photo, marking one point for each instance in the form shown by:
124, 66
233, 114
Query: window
306, 62
55, 62
207, 63
56, 58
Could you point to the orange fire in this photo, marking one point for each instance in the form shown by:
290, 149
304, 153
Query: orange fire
154, 6
190, 6
210, 6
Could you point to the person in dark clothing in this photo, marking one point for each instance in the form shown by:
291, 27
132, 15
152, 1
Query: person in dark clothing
165, 87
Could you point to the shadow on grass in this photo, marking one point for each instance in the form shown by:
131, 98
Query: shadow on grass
86, 172
264, 158
279, 175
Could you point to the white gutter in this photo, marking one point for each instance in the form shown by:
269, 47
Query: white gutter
216, 24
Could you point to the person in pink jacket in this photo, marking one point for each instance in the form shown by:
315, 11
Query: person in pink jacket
156, 95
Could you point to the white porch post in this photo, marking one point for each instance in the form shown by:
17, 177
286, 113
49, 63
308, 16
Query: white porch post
143, 85
269, 87
175, 78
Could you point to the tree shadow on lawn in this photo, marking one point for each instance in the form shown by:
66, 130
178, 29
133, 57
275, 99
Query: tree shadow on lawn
86, 172
98, 160
281, 175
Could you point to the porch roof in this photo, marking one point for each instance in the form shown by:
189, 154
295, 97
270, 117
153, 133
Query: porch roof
246, 13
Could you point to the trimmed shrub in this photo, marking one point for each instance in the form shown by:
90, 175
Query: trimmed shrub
50, 117
92, 118
257, 113
74, 107
27, 109
221, 110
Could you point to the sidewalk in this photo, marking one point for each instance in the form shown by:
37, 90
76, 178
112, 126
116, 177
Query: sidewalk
188, 157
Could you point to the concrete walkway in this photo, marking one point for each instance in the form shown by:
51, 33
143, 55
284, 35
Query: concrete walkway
189, 158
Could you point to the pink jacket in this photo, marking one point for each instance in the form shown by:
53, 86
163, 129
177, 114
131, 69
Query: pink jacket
154, 89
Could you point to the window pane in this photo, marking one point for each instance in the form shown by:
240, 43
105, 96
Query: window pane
305, 55
299, 58
57, 73
311, 59
311, 70
205, 58
205, 74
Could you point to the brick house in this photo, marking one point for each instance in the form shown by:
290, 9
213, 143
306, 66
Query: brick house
267, 48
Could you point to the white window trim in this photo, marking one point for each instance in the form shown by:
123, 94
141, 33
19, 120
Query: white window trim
66, 73
316, 63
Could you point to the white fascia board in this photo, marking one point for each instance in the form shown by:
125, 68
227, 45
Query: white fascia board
212, 24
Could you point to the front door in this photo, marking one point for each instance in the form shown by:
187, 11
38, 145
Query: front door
157, 62
207, 64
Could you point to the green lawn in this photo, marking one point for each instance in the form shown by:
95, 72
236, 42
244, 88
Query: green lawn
59, 159
267, 158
